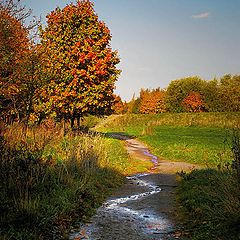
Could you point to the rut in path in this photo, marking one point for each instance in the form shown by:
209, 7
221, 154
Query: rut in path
143, 208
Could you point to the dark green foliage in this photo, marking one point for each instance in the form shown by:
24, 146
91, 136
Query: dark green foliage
218, 95
230, 93
179, 89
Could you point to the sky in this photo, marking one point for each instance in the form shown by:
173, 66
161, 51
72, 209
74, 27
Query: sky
162, 40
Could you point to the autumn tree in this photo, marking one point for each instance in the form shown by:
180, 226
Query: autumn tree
32, 81
19, 62
179, 89
193, 103
119, 107
79, 62
152, 101
14, 47
15, 9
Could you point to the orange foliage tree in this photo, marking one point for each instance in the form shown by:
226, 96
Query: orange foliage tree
14, 47
152, 101
79, 62
119, 106
193, 103
19, 63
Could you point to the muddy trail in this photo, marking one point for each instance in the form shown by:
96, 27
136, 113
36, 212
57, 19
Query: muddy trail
142, 209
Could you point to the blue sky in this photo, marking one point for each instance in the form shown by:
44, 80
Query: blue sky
162, 40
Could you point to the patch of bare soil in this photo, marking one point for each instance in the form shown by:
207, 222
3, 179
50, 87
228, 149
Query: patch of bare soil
142, 209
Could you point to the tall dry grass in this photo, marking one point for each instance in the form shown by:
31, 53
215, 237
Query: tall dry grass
47, 176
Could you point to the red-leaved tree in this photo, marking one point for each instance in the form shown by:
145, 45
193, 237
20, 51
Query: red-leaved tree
14, 47
79, 62
193, 103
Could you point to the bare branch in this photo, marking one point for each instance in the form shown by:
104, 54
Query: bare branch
14, 8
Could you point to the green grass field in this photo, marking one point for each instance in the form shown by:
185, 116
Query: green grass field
202, 145
195, 138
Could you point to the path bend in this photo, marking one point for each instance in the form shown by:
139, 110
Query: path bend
144, 207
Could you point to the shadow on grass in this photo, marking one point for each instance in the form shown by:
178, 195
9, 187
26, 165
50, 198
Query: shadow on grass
118, 135
114, 135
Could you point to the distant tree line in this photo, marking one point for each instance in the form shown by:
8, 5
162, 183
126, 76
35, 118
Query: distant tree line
191, 94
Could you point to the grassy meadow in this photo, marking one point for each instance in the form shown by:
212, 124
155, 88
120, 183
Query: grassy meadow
201, 138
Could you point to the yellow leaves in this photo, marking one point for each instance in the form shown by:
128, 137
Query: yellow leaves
82, 73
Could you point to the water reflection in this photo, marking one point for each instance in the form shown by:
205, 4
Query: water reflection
125, 211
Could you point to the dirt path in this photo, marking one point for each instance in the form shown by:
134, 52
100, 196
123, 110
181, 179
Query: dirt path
143, 208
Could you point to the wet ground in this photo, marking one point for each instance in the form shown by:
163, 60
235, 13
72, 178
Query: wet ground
144, 208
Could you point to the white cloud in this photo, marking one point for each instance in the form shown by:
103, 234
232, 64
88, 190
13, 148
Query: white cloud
201, 15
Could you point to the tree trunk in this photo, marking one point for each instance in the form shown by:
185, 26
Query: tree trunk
64, 127
79, 120
72, 121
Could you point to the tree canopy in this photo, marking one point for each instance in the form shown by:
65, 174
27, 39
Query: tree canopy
79, 62
14, 48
